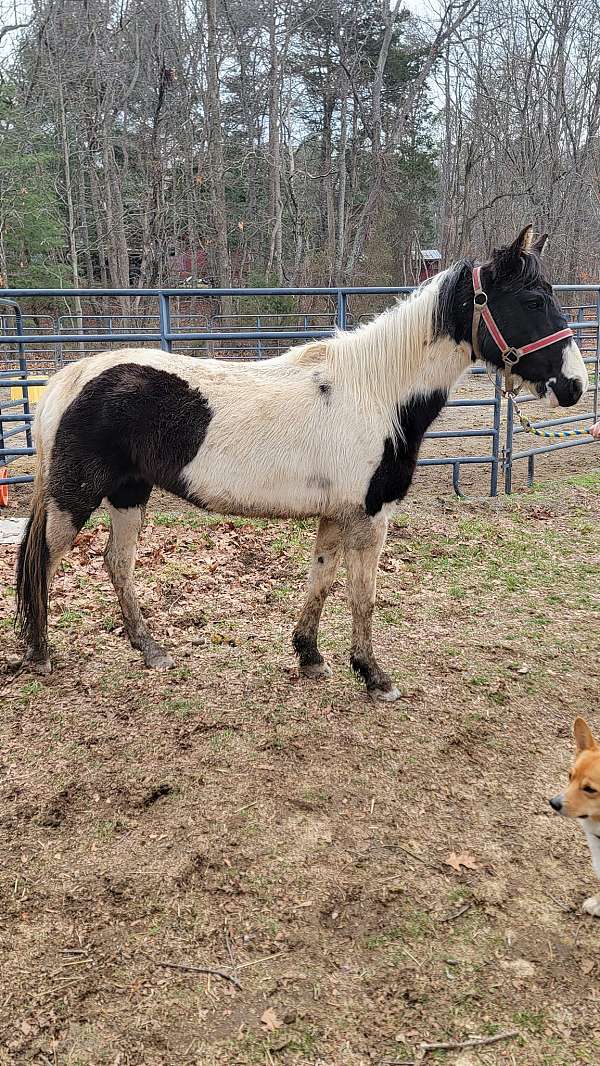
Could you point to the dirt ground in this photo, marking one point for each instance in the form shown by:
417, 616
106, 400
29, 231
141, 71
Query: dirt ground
375, 878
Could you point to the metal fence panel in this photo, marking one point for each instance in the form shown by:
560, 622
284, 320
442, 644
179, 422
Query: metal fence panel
40, 346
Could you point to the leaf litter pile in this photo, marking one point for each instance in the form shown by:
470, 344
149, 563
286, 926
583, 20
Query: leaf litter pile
223, 865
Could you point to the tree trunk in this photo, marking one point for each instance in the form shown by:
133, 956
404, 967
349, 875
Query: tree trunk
72, 240
216, 158
341, 196
275, 258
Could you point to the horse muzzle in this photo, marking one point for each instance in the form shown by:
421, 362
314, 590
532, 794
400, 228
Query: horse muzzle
572, 381
565, 391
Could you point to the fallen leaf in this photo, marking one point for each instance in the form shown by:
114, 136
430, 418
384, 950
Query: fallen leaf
587, 966
270, 1020
464, 859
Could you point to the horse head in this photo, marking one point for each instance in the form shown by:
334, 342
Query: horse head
518, 324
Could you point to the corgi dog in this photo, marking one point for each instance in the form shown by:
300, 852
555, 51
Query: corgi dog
581, 798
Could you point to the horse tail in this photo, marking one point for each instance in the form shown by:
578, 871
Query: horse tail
32, 563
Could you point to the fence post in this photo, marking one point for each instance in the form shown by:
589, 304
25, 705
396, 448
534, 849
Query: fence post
341, 309
496, 437
23, 368
2, 442
508, 447
597, 363
164, 318
258, 343
59, 355
3, 321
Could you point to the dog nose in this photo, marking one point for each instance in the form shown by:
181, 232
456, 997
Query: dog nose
556, 803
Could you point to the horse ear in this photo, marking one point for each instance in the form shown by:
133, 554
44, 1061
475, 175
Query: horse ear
584, 740
539, 245
522, 243
507, 261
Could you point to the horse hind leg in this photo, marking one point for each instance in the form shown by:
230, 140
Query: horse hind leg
127, 519
325, 561
363, 545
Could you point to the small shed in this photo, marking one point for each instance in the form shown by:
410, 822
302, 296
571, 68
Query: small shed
429, 262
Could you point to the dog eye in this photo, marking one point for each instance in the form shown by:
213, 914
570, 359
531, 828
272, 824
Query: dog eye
590, 790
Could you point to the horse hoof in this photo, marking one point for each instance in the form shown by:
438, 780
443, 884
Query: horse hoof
316, 671
389, 695
160, 661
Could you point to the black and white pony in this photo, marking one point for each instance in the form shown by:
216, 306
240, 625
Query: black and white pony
332, 428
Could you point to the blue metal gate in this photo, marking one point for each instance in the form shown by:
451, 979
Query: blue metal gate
34, 346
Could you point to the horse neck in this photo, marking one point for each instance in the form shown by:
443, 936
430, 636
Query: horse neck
398, 355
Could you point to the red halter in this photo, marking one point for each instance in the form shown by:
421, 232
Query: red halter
510, 355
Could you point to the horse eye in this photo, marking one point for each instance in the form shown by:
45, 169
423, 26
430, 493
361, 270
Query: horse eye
534, 305
590, 790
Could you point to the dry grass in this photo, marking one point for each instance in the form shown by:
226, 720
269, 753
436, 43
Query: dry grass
228, 815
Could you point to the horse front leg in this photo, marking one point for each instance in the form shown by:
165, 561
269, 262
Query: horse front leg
326, 555
363, 544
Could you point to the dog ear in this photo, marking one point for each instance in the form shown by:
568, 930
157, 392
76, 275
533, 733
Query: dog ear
583, 736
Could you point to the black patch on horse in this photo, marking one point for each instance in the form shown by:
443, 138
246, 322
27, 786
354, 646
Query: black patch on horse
361, 668
306, 649
131, 427
454, 311
391, 481
323, 386
133, 493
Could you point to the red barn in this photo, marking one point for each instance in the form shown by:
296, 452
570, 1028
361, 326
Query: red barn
429, 262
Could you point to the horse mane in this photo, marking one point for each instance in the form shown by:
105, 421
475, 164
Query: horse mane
397, 354
387, 360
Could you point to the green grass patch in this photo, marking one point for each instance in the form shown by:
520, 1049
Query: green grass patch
531, 1020
31, 689
589, 480
99, 520
69, 618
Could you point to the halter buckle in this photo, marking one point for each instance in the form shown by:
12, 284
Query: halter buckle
511, 356
480, 299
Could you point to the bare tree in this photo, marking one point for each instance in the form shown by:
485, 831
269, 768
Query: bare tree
288, 141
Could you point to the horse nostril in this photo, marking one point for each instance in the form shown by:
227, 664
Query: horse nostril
575, 389
568, 390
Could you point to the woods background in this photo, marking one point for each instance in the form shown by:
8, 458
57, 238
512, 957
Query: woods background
247, 142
